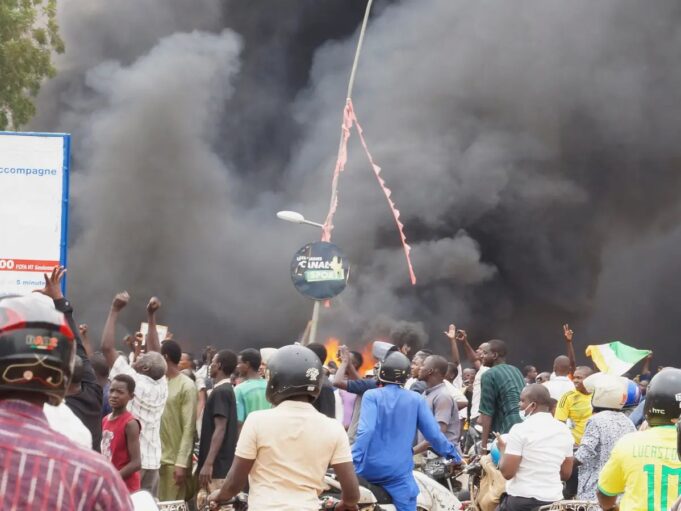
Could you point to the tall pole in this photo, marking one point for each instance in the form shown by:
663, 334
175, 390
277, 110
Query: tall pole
360, 43
348, 97
351, 83
313, 324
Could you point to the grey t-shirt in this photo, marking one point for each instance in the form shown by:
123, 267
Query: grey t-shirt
444, 408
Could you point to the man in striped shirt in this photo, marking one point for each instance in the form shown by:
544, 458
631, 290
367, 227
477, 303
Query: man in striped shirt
151, 387
41, 469
500, 392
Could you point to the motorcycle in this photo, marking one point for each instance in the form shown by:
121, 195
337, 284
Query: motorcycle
444, 472
432, 495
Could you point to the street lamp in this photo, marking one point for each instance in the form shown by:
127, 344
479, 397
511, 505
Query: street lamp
298, 218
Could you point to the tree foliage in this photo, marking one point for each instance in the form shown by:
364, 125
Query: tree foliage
29, 35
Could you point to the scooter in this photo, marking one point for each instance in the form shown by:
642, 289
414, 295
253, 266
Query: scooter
432, 495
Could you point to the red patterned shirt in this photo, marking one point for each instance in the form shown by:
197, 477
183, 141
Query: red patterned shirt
42, 470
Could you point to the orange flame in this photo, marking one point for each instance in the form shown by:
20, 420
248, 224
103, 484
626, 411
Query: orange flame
333, 345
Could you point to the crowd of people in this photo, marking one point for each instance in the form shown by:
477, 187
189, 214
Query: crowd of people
84, 427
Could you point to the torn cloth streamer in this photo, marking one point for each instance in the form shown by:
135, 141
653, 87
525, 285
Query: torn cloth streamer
349, 119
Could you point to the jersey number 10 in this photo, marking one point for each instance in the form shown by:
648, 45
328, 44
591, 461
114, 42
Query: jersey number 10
666, 472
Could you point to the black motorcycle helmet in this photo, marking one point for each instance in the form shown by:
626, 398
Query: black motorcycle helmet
663, 399
394, 368
293, 371
37, 351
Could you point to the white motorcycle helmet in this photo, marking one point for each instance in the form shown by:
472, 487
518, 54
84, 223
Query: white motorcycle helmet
609, 392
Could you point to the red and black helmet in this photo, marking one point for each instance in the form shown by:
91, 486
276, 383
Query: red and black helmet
37, 351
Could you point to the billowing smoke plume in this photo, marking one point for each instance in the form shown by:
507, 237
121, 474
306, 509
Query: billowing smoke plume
531, 147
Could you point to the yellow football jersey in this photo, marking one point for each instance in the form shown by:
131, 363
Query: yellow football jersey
574, 408
646, 468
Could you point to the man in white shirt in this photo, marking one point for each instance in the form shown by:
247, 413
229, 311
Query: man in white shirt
151, 387
536, 455
560, 383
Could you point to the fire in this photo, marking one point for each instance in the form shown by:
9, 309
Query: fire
333, 345
369, 362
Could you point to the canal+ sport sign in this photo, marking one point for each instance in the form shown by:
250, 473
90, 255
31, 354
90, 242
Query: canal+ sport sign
319, 270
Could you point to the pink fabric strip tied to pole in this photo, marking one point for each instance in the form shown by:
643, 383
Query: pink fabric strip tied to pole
350, 119
340, 166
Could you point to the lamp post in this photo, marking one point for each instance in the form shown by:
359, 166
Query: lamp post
298, 218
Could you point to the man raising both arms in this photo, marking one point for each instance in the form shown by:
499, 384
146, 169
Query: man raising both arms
151, 387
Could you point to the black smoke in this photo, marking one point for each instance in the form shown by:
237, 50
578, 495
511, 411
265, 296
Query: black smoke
531, 147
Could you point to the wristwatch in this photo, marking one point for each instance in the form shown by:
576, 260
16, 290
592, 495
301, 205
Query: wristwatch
63, 305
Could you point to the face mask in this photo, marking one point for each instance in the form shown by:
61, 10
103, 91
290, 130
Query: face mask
524, 414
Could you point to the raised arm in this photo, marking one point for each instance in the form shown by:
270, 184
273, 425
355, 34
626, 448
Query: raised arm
468, 349
340, 380
153, 342
53, 290
108, 345
85, 337
569, 334
451, 334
